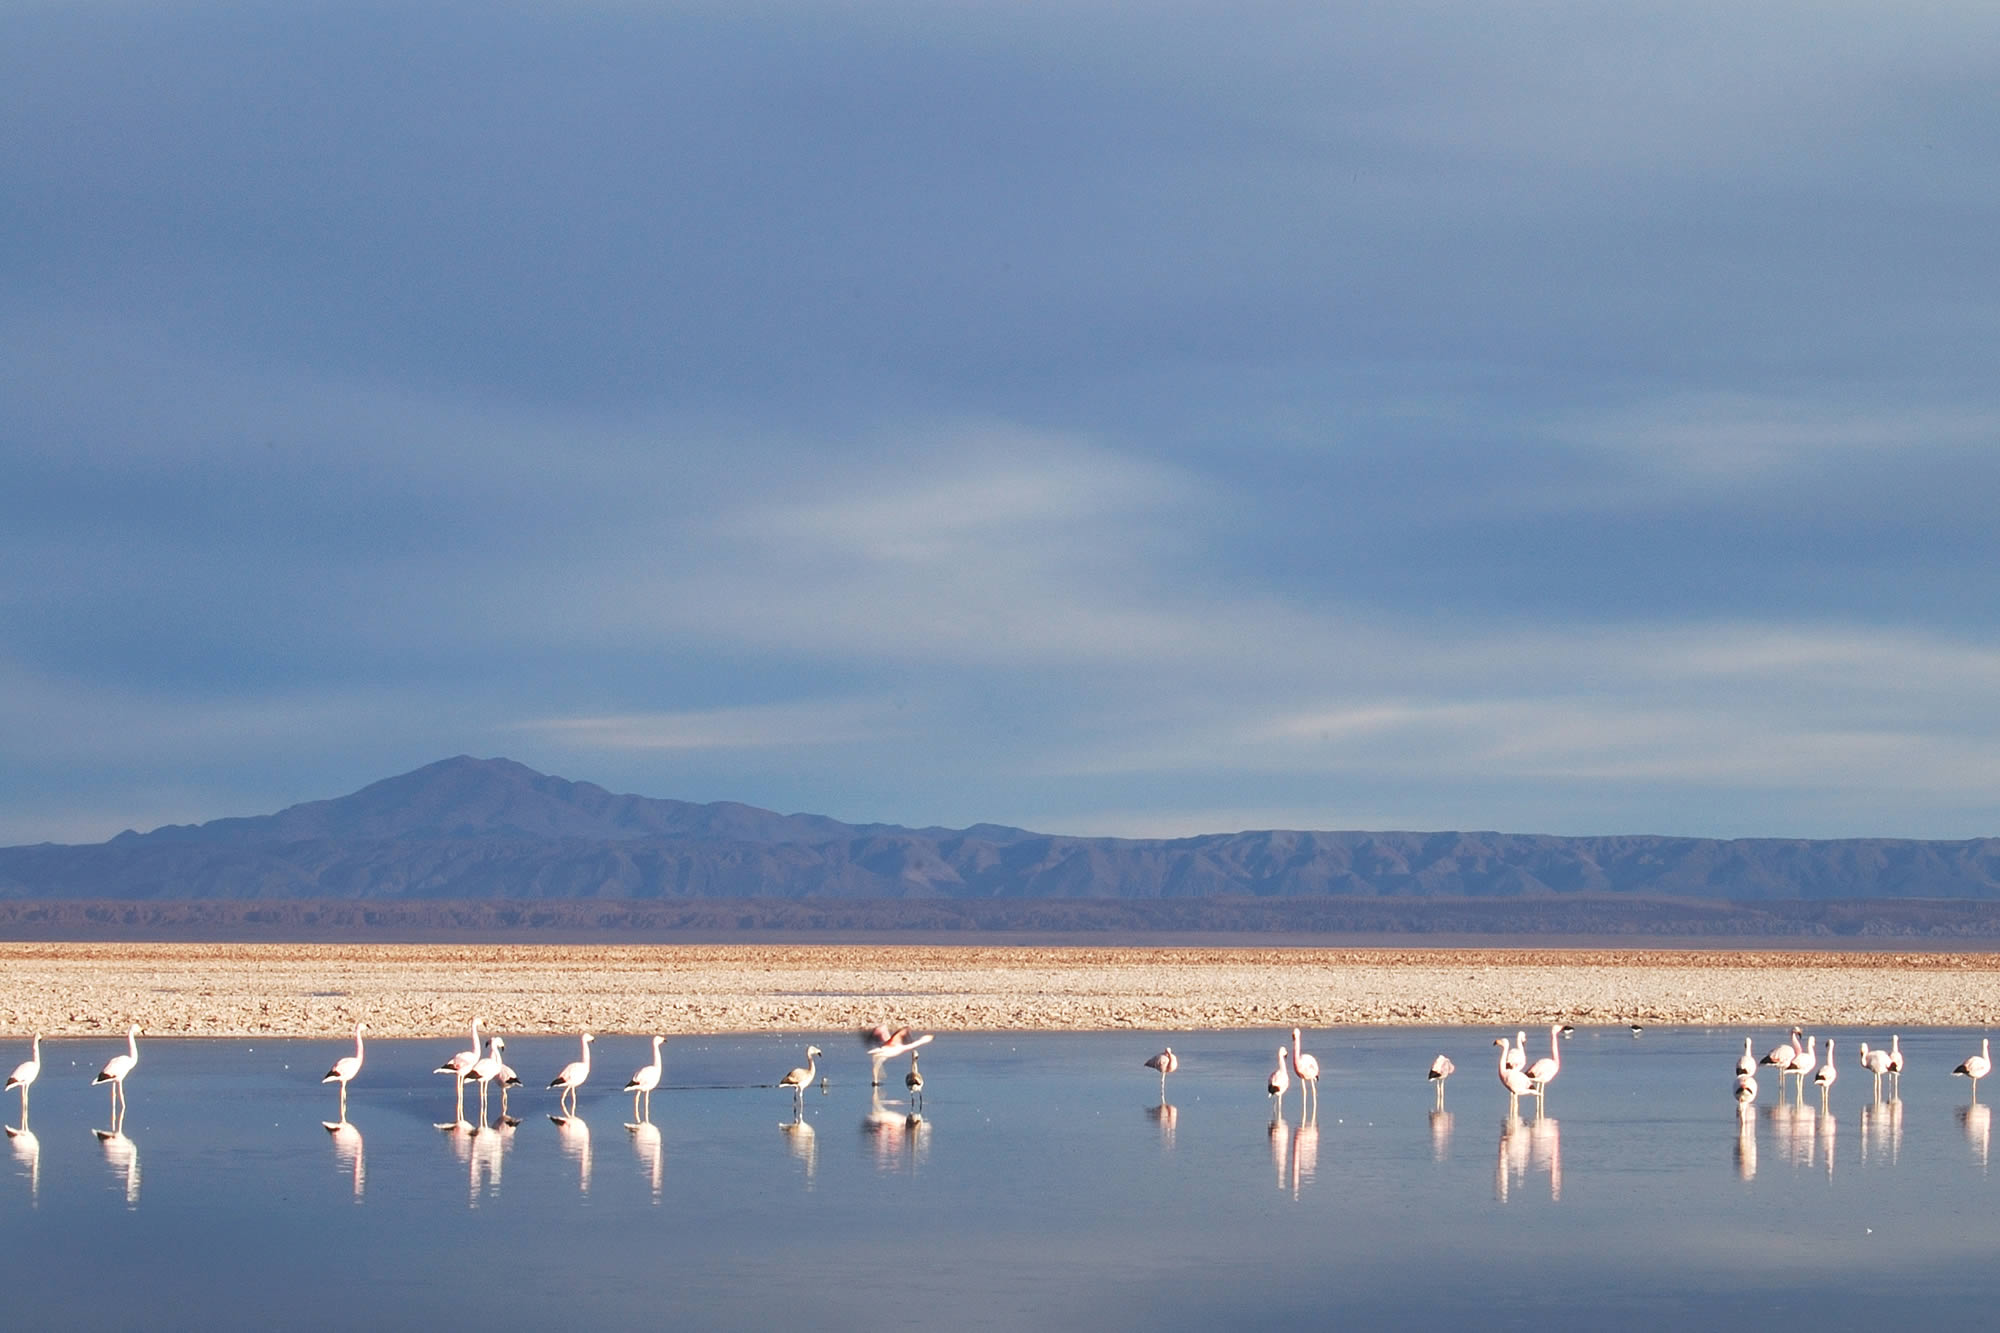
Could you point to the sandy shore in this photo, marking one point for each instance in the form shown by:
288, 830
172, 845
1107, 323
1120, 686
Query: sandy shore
433, 990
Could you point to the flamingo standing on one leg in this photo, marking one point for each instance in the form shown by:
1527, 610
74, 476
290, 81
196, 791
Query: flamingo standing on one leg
25, 1074
343, 1072
1166, 1062
1546, 1068
914, 1082
644, 1079
1823, 1080
1978, 1066
571, 1078
456, 1067
114, 1072
1441, 1069
1279, 1083
1896, 1064
1307, 1068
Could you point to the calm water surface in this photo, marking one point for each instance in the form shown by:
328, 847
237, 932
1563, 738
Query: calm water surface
1044, 1187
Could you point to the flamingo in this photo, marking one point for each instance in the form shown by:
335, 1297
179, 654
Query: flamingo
1307, 1069
1802, 1064
1896, 1063
1166, 1062
914, 1081
887, 1045
1824, 1079
507, 1078
343, 1071
1549, 1065
456, 1067
798, 1080
1511, 1078
1441, 1069
1746, 1091
1782, 1056
1516, 1055
1977, 1066
1746, 1063
1875, 1062
1280, 1082
24, 1074
484, 1071
644, 1079
118, 1066
571, 1078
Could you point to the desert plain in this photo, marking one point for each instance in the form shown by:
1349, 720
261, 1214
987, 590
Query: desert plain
424, 990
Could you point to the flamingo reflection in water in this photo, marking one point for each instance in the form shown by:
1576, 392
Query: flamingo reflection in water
1746, 1144
123, 1156
28, 1154
1168, 1117
348, 1155
573, 1137
895, 1137
1281, 1147
803, 1141
488, 1154
1305, 1151
1882, 1130
1440, 1134
1796, 1128
1528, 1145
646, 1145
1977, 1119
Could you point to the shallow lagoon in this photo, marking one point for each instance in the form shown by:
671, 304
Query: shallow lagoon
1044, 1187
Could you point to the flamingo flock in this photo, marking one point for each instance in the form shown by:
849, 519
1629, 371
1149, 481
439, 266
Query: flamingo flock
1799, 1058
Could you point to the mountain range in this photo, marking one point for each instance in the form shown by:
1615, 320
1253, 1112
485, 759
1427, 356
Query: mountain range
493, 829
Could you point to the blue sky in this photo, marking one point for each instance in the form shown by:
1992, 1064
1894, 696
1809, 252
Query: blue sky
1567, 418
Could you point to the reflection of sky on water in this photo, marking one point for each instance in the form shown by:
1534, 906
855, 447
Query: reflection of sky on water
1045, 1183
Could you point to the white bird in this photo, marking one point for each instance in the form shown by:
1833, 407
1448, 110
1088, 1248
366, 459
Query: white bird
1875, 1062
1441, 1069
1746, 1063
644, 1079
1516, 1056
456, 1067
1978, 1066
1546, 1068
1280, 1082
914, 1081
1782, 1056
1511, 1077
343, 1072
118, 1066
1824, 1079
1896, 1063
1802, 1064
1166, 1062
885, 1045
24, 1074
571, 1078
1307, 1069
484, 1070
798, 1080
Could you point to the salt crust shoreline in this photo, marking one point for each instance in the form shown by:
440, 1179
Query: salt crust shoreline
70, 990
